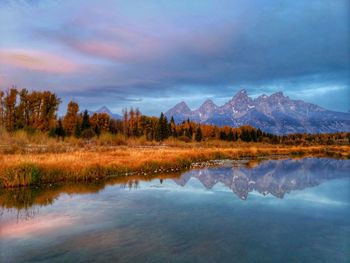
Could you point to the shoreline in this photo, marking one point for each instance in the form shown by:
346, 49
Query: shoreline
37, 169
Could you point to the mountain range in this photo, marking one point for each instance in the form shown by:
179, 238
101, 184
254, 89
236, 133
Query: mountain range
277, 114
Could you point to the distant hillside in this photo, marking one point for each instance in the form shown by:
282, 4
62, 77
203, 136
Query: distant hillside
277, 114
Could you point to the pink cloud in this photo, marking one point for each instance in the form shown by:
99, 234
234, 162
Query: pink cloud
103, 49
38, 61
125, 44
121, 45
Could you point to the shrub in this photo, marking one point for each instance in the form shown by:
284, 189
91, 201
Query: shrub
87, 133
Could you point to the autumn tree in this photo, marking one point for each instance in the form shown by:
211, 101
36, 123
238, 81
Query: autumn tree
49, 107
10, 107
58, 131
2, 108
87, 130
22, 112
100, 121
132, 122
148, 126
172, 127
71, 118
34, 108
125, 122
115, 126
135, 129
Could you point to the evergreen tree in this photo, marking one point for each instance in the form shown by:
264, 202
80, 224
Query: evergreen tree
246, 136
199, 135
59, 131
223, 135
86, 121
235, 137
97, 131
188, 133
172, 127
77, 130
230, 136
254, 136
162, 128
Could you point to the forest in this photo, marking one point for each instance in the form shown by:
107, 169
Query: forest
36, 111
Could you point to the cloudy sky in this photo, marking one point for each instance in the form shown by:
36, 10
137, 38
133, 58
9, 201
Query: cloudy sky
152, 54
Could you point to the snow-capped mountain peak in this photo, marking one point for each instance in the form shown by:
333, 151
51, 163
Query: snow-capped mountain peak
275, 114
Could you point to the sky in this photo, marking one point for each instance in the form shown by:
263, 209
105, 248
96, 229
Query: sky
152, 54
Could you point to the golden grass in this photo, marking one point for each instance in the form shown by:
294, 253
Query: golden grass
100, 162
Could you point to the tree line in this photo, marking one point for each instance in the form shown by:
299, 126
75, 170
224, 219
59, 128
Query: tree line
37, 110
21, 109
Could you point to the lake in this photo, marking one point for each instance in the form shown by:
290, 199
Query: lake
291, 210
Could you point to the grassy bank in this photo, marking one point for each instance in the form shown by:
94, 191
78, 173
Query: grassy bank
86, 164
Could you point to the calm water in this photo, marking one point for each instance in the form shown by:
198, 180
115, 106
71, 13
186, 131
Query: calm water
274, 211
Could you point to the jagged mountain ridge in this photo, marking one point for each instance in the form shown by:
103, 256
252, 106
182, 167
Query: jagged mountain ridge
276, 114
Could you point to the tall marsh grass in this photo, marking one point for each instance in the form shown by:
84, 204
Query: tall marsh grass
93, 164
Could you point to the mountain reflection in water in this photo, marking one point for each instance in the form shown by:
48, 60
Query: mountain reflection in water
275, 177
271, 177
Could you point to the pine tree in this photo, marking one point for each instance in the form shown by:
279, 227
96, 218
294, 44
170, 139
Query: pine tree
59, 131
77, 130
230, 136
188, 133
199, 135
254, 135
223, 135
172, 127
97, 131
235, 137
86, 121
162, 128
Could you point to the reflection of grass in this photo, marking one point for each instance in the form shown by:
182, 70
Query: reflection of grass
100, 162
